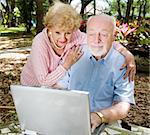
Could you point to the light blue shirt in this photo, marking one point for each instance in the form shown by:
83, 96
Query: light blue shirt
103, 79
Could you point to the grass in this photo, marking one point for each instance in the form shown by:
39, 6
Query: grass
12, 31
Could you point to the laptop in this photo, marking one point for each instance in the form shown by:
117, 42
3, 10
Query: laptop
48, 111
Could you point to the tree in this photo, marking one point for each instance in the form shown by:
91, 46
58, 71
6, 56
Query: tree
26, 10
129, 6
84, 4
140, 7
145, 8
119, 10
39, 15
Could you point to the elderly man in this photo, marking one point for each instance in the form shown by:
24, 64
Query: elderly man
98, 72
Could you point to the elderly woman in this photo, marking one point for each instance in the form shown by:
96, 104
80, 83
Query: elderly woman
58, 47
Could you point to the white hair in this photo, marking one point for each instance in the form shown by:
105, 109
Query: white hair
111, 19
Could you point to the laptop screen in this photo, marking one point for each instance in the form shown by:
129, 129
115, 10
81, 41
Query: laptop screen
52, 111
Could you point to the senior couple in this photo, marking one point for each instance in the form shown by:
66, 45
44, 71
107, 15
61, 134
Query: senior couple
64, 57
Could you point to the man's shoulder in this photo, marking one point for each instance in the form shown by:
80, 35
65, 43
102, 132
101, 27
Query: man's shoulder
116, 57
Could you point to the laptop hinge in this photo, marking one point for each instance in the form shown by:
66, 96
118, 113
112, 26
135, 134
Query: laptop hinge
29, 132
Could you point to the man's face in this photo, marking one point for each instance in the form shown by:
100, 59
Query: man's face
99, 36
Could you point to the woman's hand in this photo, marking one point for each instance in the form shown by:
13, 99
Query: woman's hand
131, 66
73, 56
129, 61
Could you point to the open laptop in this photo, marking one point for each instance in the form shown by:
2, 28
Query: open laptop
48, 111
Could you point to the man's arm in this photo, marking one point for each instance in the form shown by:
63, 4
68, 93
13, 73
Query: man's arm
111, 114
123, 96
63, 83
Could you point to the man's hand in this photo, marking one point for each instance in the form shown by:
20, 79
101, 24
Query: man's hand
131, 66
95, 121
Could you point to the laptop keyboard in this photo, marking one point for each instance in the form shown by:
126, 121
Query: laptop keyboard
99, 129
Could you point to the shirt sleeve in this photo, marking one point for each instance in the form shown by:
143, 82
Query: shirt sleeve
40, 64
124, 90
64, 81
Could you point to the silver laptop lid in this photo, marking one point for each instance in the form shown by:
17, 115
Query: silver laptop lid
51, 111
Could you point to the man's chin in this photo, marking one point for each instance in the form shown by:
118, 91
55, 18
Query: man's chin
96, 54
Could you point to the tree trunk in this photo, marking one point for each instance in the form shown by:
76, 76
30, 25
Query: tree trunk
119, 10
144, 8
39, 15
133, 8
94, 7
140, 8
83, 6
12, 18
7, 13
129, 5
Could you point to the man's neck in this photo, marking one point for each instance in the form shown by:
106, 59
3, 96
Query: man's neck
99, 57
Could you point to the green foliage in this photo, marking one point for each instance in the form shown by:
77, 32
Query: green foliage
135, 33
46, 5
26, 9
137, 4
142, 35
16, 12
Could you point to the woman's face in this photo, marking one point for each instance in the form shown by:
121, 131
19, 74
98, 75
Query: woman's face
59, 37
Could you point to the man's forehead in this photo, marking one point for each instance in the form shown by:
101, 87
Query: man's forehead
99, 26
97, 30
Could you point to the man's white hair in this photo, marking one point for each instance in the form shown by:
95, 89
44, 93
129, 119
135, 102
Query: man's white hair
111, 19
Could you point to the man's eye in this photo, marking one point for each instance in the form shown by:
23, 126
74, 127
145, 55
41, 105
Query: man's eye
104, 34
91, 35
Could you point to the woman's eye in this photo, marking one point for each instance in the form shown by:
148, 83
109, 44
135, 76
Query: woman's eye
68, 33
57, 32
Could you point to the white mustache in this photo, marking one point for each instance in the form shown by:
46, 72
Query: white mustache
96, 45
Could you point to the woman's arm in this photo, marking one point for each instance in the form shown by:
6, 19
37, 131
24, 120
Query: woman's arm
40, 58
129, 63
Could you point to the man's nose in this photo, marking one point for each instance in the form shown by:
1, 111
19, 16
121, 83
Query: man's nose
98, 38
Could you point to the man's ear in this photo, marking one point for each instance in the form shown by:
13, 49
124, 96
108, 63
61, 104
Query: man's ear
113, 37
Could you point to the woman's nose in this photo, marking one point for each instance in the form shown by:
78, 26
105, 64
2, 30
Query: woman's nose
63, 37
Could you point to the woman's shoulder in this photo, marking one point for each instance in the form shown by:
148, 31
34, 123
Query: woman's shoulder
40, 39
40, 36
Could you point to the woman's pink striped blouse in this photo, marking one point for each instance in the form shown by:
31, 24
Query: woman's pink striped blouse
43, 67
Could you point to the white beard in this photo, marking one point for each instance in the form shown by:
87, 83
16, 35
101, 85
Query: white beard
98, 51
